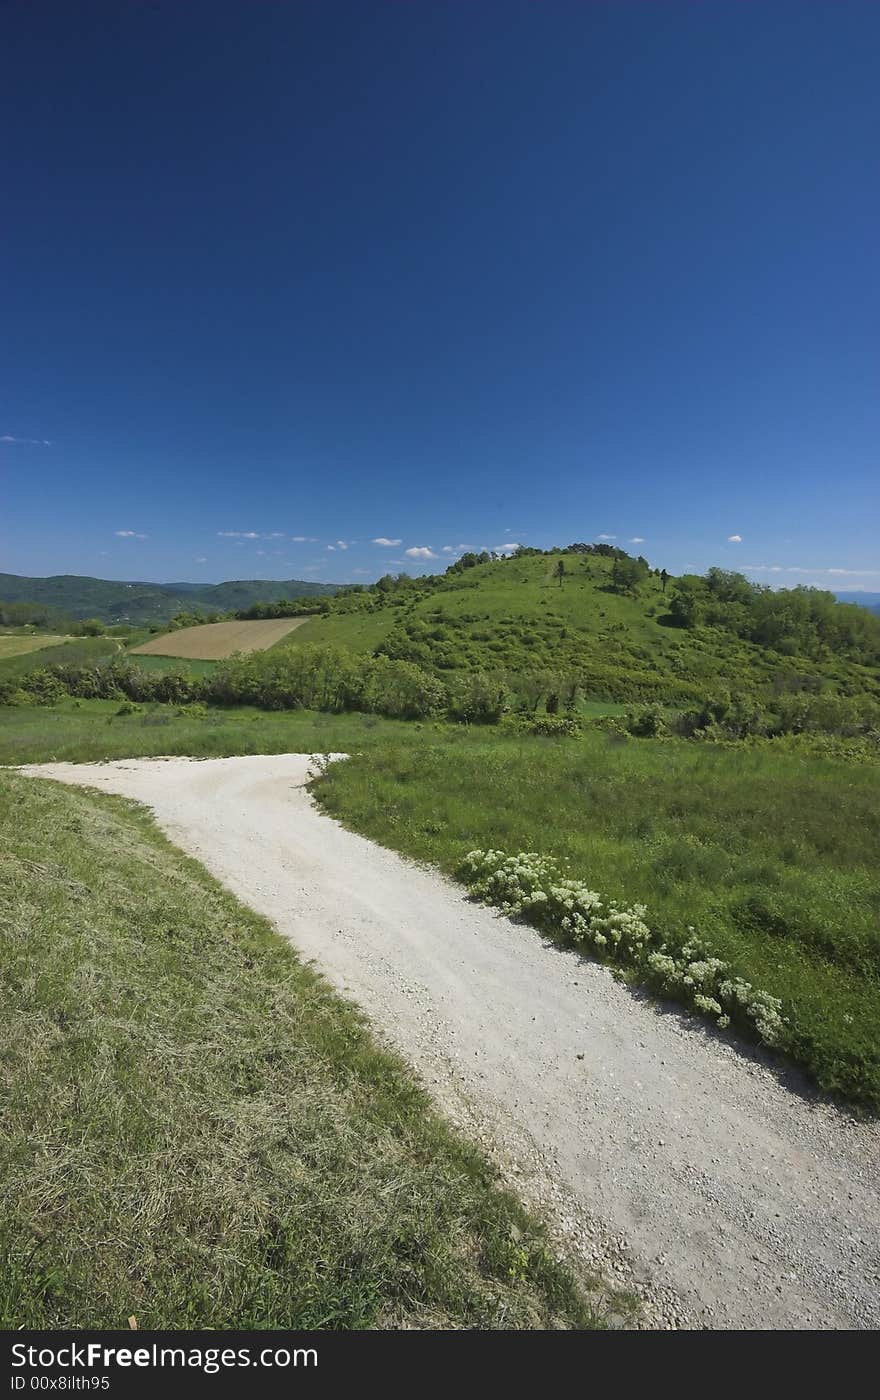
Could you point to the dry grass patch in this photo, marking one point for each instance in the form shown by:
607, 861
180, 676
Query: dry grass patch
214, 641
20, 646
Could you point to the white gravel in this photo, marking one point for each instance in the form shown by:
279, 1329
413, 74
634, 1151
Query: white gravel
663, 1155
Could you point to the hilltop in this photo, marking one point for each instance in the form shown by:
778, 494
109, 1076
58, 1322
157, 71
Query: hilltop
111, 601
609, 624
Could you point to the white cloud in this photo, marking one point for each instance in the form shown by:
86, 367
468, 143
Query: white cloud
26, 442
508, 548
734, 539
129, 535
275, 535
201, 559
360, 571
420, 551
607, 537
457, 548
799, 569
386, 543
636, 539
238, 534
304, 539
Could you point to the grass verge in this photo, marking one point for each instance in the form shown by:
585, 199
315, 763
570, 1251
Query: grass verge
769, 857
197, 1131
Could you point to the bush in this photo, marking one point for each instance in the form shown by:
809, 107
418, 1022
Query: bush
647, 722
552, 726
476, 698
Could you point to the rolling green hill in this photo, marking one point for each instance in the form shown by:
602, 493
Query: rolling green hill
111, 601
616, 640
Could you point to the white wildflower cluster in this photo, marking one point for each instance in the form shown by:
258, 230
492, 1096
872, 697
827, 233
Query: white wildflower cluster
531, 886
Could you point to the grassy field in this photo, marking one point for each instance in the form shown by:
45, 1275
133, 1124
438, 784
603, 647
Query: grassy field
196, 1131
359, 631
214, 641
772, 859
770, 856
11, 645
92, 730
77, 650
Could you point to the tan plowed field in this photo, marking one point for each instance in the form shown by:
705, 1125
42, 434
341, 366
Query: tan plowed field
214, 641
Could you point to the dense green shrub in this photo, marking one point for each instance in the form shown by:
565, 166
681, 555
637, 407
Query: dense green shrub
476, 698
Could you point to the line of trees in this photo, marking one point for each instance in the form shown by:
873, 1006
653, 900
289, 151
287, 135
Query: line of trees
307, 677
792, 621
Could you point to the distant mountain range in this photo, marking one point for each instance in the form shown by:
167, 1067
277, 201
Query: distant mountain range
112, 601
864, 600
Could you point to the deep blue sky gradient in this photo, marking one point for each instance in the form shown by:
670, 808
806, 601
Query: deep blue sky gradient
443, 273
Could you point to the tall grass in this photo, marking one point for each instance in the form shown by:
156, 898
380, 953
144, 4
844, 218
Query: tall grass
770, 858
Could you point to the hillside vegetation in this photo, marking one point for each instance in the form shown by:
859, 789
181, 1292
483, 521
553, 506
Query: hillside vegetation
179, 1091
70, 595
610, 625
543, 636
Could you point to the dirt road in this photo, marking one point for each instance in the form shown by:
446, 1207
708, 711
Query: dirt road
661, 1152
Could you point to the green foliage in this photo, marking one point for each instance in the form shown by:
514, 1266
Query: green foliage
476, 698
647, 722
551, 726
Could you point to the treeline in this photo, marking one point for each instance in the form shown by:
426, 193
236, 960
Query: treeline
791, 621
49, 619
308, 677
726, 718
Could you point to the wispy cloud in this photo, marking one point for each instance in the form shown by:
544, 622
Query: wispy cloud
734, 539
26, 442
304, 539
238, 534
129, 535
386, 543
201, 559
607, 537
509, 548
799, 569
636, 539
457, 548
420, 551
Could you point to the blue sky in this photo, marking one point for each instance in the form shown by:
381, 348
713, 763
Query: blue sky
282, 281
